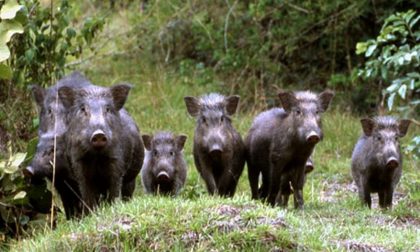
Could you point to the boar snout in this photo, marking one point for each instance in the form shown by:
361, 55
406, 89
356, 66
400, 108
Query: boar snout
98, 139
309, 166
392, 163
215, 150
313, 137
28, 171
163, 176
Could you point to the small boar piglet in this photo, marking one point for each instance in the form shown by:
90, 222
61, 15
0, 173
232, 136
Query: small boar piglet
164, 170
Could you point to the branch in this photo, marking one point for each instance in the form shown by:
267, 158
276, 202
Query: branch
298, 8
227, 23
414, 121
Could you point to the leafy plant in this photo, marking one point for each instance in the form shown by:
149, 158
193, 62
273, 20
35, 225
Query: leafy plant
9, 26
49, 38
394, 58
20, 204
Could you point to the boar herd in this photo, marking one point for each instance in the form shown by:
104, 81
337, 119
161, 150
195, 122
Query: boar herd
92, 149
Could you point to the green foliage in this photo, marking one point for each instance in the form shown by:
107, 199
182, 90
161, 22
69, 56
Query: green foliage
50, 38
20, 204
9, 26
258, 46
394, 58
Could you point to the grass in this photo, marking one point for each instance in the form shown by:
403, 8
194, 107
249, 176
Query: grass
333, 219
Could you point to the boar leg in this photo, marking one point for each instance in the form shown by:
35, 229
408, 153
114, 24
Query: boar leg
297, 184
253, 176
275, 180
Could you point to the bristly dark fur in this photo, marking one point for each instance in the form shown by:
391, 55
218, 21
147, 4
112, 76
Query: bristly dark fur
219, 152
384, 122
163, 137
306, 96
212, 101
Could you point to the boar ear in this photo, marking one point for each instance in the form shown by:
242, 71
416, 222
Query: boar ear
368, 125
325, 99
38, 93
67, 96
288, 100
232, 104
147, 140
180, 141
403, 127
119, 95
193, 105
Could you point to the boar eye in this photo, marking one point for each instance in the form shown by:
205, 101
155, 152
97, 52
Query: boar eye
379, 138
171, 153
108, 109
317, 112
222, 119
49, 111
83, 109
155, 153
298, 112
204, 119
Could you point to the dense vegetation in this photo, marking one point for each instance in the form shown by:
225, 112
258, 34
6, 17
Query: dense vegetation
169, 49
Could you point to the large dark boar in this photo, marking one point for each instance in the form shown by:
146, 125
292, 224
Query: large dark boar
258, 144
164, 170
51, 146
376, 160
98, 146
219, 152
280, 141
